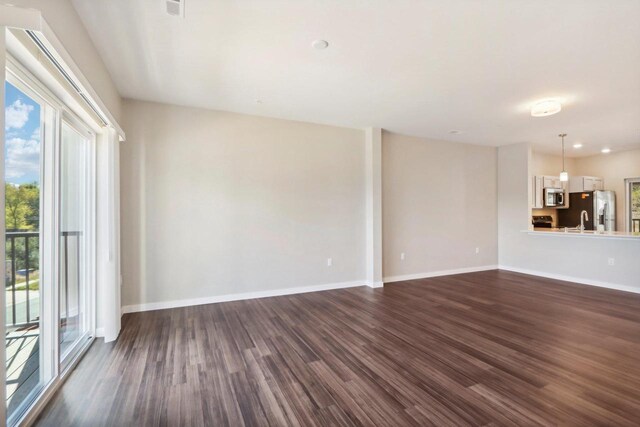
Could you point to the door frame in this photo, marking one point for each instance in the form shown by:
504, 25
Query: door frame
628, 224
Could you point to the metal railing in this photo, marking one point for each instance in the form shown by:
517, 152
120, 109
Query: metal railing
20, 254
19, 259
65, 252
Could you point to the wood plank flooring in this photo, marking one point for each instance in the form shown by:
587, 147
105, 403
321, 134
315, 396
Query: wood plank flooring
489, 348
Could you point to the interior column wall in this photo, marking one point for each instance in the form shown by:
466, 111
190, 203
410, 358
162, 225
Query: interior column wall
373, 164
439, 207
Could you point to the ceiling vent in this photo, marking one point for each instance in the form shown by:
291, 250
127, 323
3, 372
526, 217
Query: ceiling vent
175, 7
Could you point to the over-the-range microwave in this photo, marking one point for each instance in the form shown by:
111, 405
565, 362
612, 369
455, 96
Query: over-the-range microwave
554, 197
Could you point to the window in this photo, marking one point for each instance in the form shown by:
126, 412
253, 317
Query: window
633, 204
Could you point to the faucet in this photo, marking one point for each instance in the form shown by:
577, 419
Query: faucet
584, 216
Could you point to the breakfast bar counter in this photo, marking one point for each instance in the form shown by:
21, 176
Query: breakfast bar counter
572, 232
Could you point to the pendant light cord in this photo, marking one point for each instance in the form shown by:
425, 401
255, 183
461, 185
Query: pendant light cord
563, 153
562, 135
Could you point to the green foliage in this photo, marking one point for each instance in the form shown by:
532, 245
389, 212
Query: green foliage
22, 207
22, 213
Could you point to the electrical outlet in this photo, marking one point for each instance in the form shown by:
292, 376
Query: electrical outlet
402, 256
612, 261
477, 250
329, 262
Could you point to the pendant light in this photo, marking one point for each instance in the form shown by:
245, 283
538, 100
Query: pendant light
564, 175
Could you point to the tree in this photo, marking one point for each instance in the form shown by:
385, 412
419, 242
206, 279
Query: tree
635, 200
15, 207
22, 213
32, 200
22, 206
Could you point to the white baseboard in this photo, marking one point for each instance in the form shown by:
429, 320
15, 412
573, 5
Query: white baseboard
238, 297
375, 284
439, 273
572, 279
99, 332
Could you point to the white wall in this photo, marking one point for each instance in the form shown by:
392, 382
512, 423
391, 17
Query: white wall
573, 258
439, 203
216, 203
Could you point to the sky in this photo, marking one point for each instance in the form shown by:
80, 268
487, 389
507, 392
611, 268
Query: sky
22, 137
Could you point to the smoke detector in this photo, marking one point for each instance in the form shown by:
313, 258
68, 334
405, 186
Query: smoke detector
320, 44
175, 7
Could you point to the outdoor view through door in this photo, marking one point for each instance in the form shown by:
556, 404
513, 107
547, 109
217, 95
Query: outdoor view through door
23, 124
633, 202
50, 221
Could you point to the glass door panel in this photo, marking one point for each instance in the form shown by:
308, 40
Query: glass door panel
634, 205
73, 238
23, 285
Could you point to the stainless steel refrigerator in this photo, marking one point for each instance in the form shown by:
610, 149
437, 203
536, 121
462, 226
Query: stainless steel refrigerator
600, 206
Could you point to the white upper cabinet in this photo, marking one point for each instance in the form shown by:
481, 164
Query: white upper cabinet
537, 201
578, 184
551, 182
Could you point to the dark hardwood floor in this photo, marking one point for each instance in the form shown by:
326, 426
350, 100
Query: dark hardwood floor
488, 348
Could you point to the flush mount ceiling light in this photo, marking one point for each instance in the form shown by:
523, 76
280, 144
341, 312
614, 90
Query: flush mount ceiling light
455, 132
578, 145
564, 175
320, 44
546, 107
606, 150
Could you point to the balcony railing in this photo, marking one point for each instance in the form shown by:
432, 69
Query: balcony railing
22, 260
22, 340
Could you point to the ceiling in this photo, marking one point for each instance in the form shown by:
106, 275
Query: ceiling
421, 68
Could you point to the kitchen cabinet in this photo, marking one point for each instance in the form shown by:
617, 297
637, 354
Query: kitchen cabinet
537, 192
539, 183
551, 182
578, 184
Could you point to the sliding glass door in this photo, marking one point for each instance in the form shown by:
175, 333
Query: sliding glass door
49, 239
75, 175
24, 121
633, 204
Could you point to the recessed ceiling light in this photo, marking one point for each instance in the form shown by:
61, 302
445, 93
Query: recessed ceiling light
546, 107
320, 44
455, 132
577, 145
606, 150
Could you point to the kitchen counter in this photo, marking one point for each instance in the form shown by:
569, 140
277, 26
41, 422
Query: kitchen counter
584, 234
